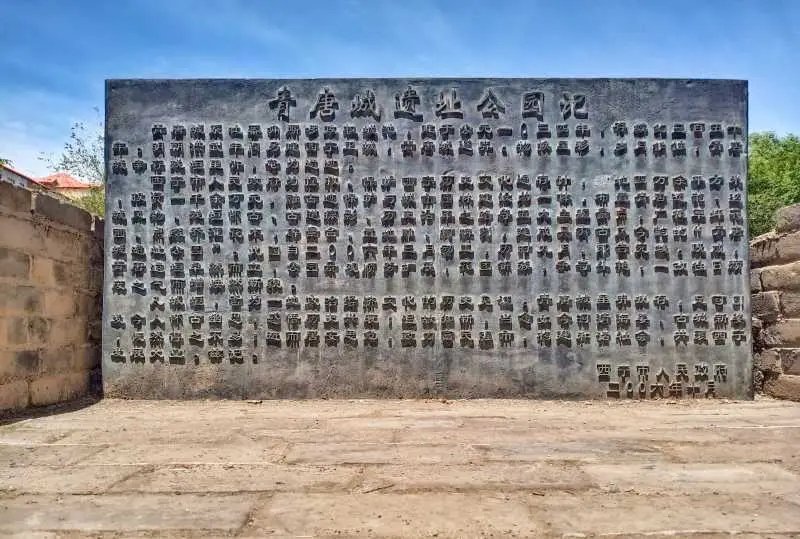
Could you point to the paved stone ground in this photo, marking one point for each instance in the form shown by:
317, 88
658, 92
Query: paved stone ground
403, 469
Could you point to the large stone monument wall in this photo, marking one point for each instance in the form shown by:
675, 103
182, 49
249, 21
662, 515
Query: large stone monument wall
577, 238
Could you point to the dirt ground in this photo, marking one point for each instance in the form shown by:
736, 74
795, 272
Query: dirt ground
463, 469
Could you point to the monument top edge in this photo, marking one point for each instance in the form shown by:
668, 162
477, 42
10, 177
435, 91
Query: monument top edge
124, 81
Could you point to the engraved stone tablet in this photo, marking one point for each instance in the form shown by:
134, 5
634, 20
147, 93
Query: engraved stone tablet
577, 238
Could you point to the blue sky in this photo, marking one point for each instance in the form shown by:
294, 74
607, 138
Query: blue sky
56, 54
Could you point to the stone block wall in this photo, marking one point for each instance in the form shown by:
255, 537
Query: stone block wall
775, 288
51, 281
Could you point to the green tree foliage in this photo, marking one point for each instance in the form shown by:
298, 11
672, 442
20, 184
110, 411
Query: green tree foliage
83, 157
94, 202
773, 178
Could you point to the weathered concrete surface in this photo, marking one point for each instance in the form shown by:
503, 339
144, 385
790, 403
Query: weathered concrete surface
403, 469
582, 238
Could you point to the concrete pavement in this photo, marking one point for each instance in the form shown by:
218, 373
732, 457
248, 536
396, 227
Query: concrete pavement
403, 469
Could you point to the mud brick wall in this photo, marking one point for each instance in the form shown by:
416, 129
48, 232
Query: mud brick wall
51, 281
775, 283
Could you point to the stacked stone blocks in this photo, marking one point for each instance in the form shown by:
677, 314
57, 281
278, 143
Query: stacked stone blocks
51, 279
775, 283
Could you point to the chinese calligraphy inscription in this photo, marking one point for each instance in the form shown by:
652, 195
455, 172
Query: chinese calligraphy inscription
462, 237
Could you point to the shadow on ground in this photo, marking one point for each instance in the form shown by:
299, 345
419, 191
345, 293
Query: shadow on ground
8, 417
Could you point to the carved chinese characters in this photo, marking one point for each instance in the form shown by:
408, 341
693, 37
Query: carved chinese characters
464, 237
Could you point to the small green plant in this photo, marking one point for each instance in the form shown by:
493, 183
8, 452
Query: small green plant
83, 156
94, 202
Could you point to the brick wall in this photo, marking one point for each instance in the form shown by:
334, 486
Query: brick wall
51, 280
775, 284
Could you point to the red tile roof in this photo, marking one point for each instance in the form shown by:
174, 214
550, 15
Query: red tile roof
62, 180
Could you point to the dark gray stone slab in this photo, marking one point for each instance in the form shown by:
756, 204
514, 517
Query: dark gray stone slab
465, 237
